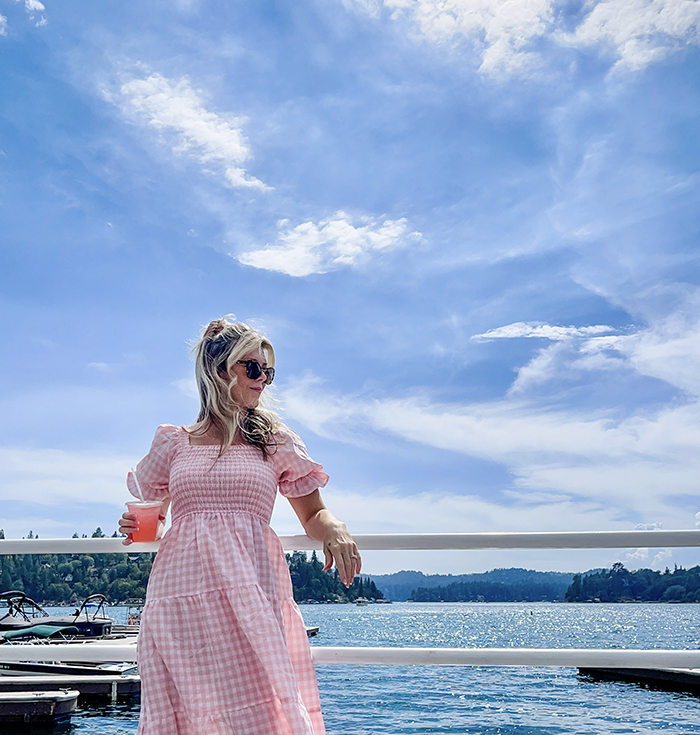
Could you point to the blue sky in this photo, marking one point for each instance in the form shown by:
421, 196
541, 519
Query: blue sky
470, 229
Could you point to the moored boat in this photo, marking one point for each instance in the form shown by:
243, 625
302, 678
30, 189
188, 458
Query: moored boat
23, 613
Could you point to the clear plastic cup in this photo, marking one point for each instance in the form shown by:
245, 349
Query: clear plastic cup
147, 513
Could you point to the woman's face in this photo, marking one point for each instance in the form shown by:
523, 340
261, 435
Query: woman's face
247, 392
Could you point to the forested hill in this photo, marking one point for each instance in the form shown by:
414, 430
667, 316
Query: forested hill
618, 584
312, 584
501, 585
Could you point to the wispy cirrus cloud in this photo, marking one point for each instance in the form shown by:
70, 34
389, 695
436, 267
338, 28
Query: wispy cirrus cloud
388, 510
3, 25
586, 348
641, 465
635, 467
668, 349
335, 242
178, 112
54, 476
505, 34
540, 330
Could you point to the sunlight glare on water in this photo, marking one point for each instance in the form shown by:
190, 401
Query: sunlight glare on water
398, 700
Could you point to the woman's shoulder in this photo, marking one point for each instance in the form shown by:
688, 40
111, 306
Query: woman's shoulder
169, 431
167, 436
283, 436
298, 473
287, 444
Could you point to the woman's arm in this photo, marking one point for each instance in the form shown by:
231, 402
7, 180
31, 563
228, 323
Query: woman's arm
321, 525
128, 523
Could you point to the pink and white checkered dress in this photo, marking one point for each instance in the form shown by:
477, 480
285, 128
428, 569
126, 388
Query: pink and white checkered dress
222, 648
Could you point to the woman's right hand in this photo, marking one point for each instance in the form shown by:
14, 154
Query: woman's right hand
128, 525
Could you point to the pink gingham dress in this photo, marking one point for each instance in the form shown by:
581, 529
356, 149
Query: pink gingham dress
222, 648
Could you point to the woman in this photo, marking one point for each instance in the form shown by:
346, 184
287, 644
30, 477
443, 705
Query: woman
222, 648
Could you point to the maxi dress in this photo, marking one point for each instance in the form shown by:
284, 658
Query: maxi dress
222, 648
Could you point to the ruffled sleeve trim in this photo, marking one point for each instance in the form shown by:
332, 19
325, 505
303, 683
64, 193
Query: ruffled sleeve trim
153, 471
298, 474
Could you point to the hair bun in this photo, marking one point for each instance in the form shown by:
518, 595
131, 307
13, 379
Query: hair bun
215, 328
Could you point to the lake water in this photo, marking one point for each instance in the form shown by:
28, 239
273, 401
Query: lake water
359, 700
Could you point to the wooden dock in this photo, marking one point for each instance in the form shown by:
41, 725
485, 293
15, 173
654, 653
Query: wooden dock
673, 680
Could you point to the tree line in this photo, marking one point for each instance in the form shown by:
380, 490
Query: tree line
479, 591
618, 584
70, 578
311, 583
53, 579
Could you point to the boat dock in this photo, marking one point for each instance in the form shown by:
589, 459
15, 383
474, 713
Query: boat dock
45, 708
110, 686
674, 680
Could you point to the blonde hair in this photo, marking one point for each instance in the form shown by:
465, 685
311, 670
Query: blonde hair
221, 343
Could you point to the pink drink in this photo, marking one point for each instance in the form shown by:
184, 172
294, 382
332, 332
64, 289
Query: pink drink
146, 512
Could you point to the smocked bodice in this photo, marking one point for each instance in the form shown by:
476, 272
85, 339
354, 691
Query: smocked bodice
240, 481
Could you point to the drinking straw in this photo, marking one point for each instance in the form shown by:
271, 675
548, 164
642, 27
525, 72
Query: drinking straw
138, 486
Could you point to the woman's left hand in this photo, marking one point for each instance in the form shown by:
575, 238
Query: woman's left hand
339, 545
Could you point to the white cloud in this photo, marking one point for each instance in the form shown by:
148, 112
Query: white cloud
175, 109
102, 367
129, 359
370, 7
637, 555
387, 510
635, 467
662, 557
333, 243
33, 7
504, 32
544, 366
3, 25
540, 330
670, 348
644, 465
54, 476
187, 386
639, 31
575, 348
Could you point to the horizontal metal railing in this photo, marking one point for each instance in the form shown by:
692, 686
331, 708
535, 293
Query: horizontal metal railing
576, 657
398, 541
587, 658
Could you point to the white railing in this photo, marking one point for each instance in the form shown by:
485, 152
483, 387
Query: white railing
587, 658
576, 657
397, 541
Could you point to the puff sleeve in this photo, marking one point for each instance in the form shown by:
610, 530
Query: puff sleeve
298, 473
153, 471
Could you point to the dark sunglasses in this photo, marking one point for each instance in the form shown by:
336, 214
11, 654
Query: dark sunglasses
253, 370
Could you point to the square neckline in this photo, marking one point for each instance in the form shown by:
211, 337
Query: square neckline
186, 435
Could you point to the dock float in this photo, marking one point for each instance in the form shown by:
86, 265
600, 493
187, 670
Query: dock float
45, 708
110, 686
673, 680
